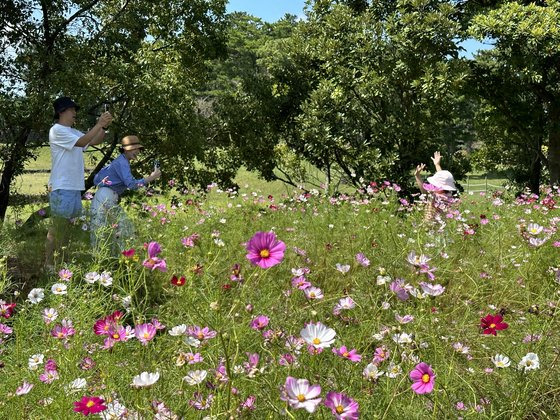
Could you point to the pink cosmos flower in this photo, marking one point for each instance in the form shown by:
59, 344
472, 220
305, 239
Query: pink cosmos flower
62, 332
5, 329
362, 260
236, 273
400, 289
260, 322
50, 365
144, 333
287, 359
87, 363
344, 303
65, 274
153, 249
155, 263
342, 406
265, 250
193, 358
423, 378
201, 403
24, 388
299, 394
300, 282
48, 376
351, 355
90, 405
191, 240
201, 333
381, 354
432, 289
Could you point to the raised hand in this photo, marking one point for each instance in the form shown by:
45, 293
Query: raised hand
419, 169
437, 160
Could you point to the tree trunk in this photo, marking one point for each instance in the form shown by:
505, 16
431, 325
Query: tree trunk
554, 143
535, 174
11, 166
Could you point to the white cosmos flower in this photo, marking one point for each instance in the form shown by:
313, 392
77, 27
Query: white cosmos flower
194, 377
145, 379
92, 277
318, 335
529, 362
105, 279
76, 385
371, 372
534, 228
432, 289
501, 361
36, 295
35, 360
59, 289
191, 341
402, 338
381, 280
115, 410
393, 370
178, 330
343, 268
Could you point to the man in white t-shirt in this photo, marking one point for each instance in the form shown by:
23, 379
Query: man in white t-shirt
66, 182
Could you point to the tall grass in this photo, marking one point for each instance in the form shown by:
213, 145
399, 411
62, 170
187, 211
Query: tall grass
485, 269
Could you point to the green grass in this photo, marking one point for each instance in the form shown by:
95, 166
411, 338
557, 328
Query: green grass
494, 269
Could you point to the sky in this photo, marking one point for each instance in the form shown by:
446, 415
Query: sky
273, 10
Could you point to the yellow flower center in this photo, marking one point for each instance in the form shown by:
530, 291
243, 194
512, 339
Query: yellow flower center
492, 325
60, 335
301, 398
264, 253
115, 335
345, 354
339, 409
146, 335
316, 341
200, 335
425, 378
90, 403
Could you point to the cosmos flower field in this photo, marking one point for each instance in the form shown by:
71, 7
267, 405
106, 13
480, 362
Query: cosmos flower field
243, 305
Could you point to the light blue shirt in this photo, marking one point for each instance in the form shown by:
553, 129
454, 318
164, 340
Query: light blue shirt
117, 176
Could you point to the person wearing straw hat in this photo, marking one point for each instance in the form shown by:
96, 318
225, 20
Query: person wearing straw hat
113, 180
439, 187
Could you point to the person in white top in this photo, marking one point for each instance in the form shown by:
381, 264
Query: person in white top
66, 182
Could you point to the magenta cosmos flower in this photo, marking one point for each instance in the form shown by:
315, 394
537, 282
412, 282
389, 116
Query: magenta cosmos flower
300, 394
342, 406
423, 377
259, 322
89, 405
492, 323
265, 250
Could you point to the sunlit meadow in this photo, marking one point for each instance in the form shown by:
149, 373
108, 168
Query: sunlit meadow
233, 305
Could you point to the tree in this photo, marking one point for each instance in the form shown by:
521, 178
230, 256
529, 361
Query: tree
144, 58
520, 79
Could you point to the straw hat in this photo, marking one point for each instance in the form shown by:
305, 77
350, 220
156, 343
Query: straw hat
443, 180
131, 143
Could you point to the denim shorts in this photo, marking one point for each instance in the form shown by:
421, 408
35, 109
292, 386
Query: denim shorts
66, 203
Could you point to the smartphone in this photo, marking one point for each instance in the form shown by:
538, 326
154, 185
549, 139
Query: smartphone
104, 107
